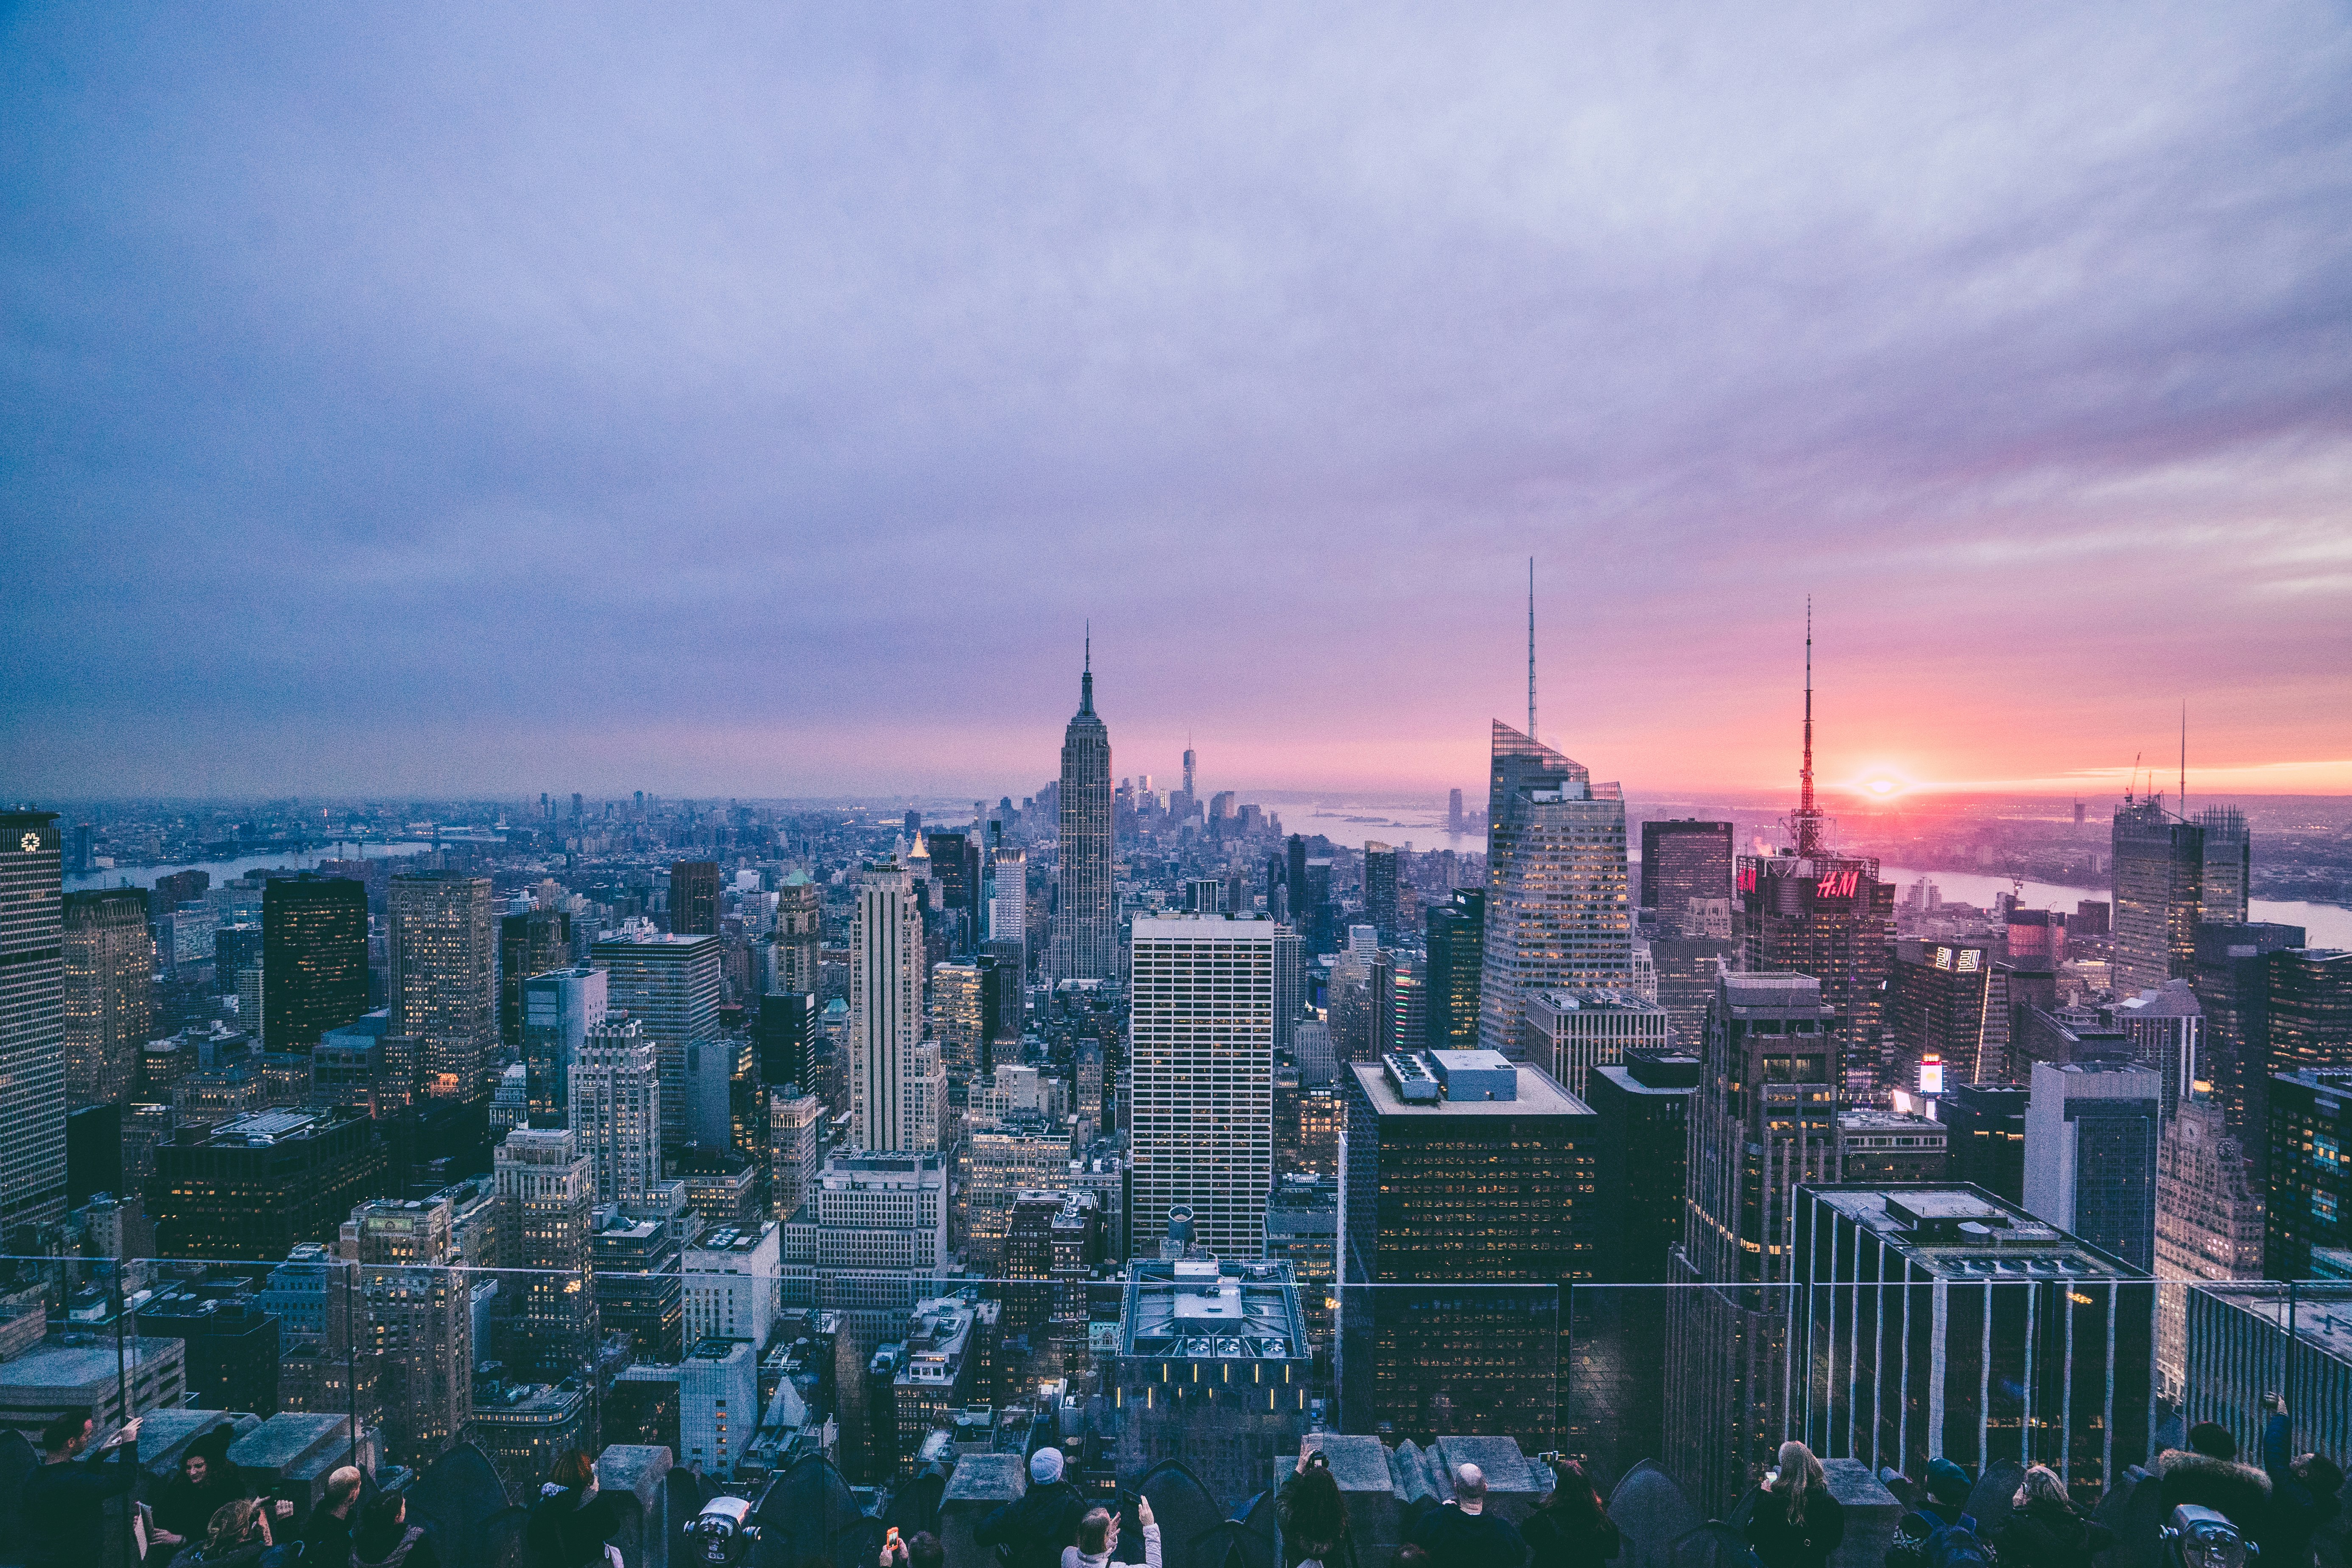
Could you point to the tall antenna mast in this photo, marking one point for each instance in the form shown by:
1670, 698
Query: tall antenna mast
1809, 820
1531, 648
2181, 806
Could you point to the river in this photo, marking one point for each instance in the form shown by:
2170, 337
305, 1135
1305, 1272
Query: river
230, 871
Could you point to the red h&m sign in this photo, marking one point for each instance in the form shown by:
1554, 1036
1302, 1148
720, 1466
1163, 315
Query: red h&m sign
1838, 884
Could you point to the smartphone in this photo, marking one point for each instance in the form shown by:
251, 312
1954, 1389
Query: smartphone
890, 1539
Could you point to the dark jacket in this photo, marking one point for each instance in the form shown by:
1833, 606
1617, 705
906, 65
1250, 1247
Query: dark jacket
1910, 1547
326, 1539
1298, 1546
2239, 1493
1556, 1540
2046, 1534
187, 1509
2295, 1511
409, 1549
1456, 1540
253, 1553
1781, 1544
564, 1532
1034, 1527
61, 1510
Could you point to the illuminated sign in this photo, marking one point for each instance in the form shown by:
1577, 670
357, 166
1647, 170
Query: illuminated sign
1943, 958
1748, 879
1931, 1074
1837, 885
1969, 958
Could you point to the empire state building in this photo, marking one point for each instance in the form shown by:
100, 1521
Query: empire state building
1086, 922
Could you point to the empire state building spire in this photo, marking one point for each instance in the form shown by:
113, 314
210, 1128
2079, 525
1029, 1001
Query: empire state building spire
1085, 924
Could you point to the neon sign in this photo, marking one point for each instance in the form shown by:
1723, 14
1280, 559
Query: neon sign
1837, 884
1748, 879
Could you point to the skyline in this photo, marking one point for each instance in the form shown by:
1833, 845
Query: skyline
762, 405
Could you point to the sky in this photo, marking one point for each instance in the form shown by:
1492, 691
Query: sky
764, 401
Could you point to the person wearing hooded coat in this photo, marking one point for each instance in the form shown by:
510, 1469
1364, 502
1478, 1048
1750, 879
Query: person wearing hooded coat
572, 1521
2303, 1492
2238, 1492
386, 1539
1031, 1530
2046, 1529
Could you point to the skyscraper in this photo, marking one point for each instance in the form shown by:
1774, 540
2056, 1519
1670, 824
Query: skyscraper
2232, 990
1680, 860
694, 898
1558, 909
669, 984
955, 868
1457, 944
1935, 1014
616, 1108
2091, 1140
2159, 890
2209, 1221
800, 935
886, 1008
534, 942
444, 954
1381, 889
558, 1008
109, 976
1085, 920
547, 1187
1985, 1141
1202, 1052
314, 957
1008, 903
2227, 867
418, 1318
32, 1021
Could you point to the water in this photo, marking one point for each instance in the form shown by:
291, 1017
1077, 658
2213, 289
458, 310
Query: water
230, 871
1392, 822
2324, 925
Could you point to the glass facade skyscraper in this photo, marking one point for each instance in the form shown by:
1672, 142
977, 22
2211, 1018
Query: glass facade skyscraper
314, 957
1202, 1052
32, 1021
2159, 890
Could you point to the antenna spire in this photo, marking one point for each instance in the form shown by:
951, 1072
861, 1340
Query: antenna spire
1809, 819
1531, 648
2181, 806
1087, 680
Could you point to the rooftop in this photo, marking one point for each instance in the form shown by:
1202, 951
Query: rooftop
1208, 1310
1962, 1232
1539, 1095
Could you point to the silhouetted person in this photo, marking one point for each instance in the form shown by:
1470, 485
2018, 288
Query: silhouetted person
63, 1509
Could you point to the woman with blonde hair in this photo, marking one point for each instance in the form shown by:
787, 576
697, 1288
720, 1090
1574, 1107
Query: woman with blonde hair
237, 1537
2046, 1529
1797, 1523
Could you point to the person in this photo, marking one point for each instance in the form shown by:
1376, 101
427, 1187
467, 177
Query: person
1945, 1503
2203, 1478
572, 1521
1312, 1513
2046, 1529
61, 1511
2213, 1439
1098, 1536
326, 1535
1031, 1530
206, 1482
1411, 1556
1572, 1528
2303, 1492
920, 1550
1797, 1523
236, 1536
1461, 1533
386, 1539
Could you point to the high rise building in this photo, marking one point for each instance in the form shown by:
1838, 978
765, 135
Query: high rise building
2159, 890
314, 957
616, 1108
731, 1283
1289, 984
718, 1404
886, 1007
417, 1306
1558, 911
694, 898
2209, 1222
2232, 989
794, 1124
558, 1009
800, 935
1456, 939
1935, 1013
670, 986
1008, 902
253, 1186
547, 1191
1491, 1273
1762, 1122
534, 942
2056, 1335
444, 961
2167, 1030
955, 870
1571, 1033
1085, 917
2307, 1206
1381, 889
1453, 814
787, 1031
1886, 1147
2091, 1138
959, 1018
1202, 1050
110, 976
32, 1021
1985, 1136
1642, 1104
2227, 865
1683, 859
1686, 968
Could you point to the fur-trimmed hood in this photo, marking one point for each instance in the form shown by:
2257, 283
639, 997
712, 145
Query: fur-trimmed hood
2240, 1493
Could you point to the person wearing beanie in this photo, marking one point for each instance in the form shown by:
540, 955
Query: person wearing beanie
1946, 1488
2207, 1474
1462, 1533
2212, 1439
1031, 1530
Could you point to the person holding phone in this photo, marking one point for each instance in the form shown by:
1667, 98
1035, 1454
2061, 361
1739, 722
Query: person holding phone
63, 1505
1312, 1512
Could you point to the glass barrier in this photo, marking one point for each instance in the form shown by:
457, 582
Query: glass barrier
832, 1398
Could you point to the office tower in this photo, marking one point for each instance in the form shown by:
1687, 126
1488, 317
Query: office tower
718, 1404
794, 1123
1684, 969
1456, 941
1302, 1231
616, 1108
230, 1344
926, 1099
2232, 989
2226, 865
1202, 1049
1984, 1139
2308, 1008
2158, 893
2091, 1138
1395, 1002
669, 984
639, 1291
236, 949
2167, 1031
254, 1185
694, 898
1763, 1121
731, 1283
707, 1078
94, 1152
1204, 896
534, 942
32, 1021
1289, 984
1086, 919
886, 1006
1884, 1148
787, 1026
547, 1189
955, 870
417, 1305
1570, 1033
109, 962
1642, 1107
1558, 915
558, 1009
314, 957
1008, 903
2307, 1207
2209, 1221
2056, 1333
1381, 889
1680, 860
251, 1012
1936, 1015
1420, 1126
799, 936
997, 1163
959, 1018
444, 965
2037, 937
1453, 814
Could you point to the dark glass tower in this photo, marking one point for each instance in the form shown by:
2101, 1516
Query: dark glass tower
1086, 923
694, 898
2159, 889
2232, 992
32, 1021
1457, 940
1682, 860
536, 942
314, 957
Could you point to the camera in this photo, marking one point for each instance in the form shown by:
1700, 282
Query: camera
722, 1533
1319, 1457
